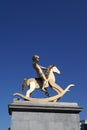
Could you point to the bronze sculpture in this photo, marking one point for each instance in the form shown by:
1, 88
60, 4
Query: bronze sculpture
42, 81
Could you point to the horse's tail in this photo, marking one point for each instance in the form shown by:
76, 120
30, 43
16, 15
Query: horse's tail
24, 83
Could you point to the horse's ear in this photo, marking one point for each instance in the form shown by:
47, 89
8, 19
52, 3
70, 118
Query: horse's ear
53, 65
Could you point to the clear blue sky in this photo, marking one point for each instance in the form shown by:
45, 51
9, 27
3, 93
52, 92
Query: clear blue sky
57, 32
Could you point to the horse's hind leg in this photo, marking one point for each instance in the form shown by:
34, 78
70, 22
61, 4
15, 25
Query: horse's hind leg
32, 88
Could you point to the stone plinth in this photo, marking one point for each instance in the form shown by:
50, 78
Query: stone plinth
44, 116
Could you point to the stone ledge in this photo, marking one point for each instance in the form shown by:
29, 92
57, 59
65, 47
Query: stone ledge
54, 107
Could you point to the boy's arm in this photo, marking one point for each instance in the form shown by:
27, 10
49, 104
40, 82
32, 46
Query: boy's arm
43, 68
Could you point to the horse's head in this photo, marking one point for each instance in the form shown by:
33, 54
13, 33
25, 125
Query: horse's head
50, 72
55, 69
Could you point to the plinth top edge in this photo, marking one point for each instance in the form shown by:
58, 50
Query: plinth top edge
70, 104
65, 107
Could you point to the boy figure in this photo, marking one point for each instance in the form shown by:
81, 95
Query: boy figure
39, 69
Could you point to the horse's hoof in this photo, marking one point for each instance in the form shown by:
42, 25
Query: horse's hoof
43, 89
47, 94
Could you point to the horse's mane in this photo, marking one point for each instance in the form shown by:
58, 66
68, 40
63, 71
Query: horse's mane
48, 70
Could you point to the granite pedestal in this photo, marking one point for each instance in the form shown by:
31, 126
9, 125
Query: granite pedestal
27, 115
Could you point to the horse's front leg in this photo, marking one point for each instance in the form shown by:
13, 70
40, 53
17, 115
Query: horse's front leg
32, 88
